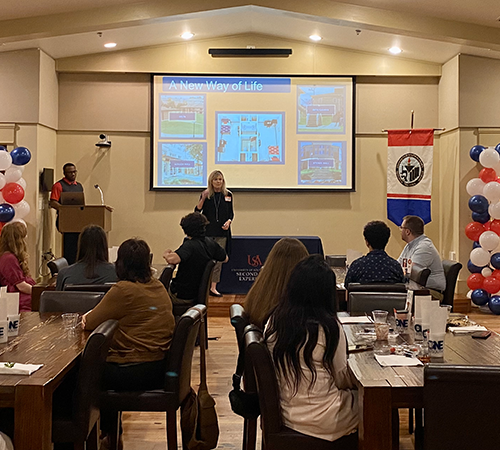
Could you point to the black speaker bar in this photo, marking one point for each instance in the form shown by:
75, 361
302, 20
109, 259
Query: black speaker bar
250, 52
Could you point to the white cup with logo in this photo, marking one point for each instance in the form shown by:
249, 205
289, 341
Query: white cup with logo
13, 325
436, 344
4, 331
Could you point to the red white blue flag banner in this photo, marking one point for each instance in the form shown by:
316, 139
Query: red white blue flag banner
409, 174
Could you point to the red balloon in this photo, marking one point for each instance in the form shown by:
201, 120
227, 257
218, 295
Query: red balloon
488, 175
496, 274
487, 226
491, 285
473, 230
13, 193
495, 226
475, 281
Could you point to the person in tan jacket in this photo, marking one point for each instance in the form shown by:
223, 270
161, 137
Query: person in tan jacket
142, 306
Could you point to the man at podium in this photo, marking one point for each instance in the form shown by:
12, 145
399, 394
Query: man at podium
69, 185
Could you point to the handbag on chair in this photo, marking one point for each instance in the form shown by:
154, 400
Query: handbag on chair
199, 424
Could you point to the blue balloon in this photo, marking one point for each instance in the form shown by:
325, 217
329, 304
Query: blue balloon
476, 151
475, 244
7, 212
494, 304
477, 203
497, 148
495, 260
480, 217
473, 268
480, 297
20, 156
3, 149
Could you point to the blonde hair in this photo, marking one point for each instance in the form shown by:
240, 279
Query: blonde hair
12, 239
270, 284
210, 186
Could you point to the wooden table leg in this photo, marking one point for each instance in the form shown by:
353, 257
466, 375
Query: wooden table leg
376, 418
32, 418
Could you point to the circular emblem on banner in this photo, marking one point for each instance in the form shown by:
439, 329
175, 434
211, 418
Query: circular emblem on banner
409, 170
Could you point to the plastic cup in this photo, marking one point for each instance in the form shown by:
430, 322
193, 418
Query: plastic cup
70, 320
380, 316
403, 322
382, 331
436, 344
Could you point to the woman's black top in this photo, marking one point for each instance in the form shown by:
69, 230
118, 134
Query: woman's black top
218, 209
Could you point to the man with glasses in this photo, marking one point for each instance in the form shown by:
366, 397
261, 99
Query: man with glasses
66, 184
420, 252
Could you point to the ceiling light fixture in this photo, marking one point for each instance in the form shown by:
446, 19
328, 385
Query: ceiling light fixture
187, 35
395, 50
110, 45
315, 37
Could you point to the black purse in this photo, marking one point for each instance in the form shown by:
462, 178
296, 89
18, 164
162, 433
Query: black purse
243, 403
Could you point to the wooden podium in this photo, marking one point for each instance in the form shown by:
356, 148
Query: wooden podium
73, 219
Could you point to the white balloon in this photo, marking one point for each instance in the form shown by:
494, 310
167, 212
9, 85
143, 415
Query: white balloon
3, 182
494, 210
6, 160
491, 191
12, 174
475, 186
489, 157
480, 257
486, 272
22, 183
469, 294
21, 168
22, 209
489, 240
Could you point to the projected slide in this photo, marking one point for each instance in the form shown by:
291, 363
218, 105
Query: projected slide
249, 138
262, 131
321, 163
321, 109
182, 116
183, 164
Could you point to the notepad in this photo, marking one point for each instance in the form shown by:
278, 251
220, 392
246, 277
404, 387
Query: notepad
18, 368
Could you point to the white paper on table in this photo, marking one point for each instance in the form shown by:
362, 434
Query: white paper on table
18, 369
355, 319
397, 360
352, 255
469, 329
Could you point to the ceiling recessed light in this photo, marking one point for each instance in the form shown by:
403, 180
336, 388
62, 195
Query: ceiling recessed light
315, 37
187, 35
395, 50
110, 45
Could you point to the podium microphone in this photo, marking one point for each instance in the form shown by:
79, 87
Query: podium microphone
102, 195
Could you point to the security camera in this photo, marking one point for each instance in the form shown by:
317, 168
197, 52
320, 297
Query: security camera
104, 142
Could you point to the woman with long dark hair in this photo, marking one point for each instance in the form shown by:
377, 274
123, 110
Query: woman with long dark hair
216, 204
92, 266
309, 351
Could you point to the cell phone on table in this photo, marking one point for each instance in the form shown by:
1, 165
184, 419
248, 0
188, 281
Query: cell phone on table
481, 334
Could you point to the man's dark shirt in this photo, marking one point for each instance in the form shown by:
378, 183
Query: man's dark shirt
376, 267
195, 254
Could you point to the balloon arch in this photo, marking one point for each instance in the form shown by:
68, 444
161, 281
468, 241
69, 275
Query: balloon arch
484, 230
13, 207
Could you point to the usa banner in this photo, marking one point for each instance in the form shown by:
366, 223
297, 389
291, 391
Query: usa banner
409, 174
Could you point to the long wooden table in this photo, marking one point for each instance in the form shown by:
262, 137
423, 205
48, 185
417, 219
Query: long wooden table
42, 340
382, 390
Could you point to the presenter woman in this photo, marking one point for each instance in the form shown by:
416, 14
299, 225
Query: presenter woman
216, 203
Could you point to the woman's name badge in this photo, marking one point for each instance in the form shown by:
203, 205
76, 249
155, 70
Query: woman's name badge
228, 198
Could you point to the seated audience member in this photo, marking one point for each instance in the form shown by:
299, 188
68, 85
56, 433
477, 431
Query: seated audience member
420, 251
272, 279
140, 303
192, 257
377, 266
309, 351
14, 270
92, 266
